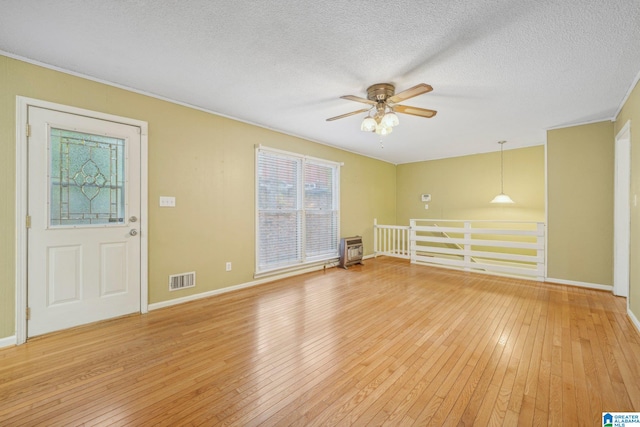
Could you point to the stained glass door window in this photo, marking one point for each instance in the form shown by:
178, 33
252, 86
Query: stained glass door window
86, 176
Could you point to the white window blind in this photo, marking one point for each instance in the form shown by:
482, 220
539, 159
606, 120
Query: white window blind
298, 212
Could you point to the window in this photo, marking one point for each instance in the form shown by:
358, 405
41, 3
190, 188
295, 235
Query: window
298, 213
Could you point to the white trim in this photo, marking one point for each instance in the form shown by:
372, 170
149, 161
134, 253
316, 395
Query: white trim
144, 214
472, 153
8, 341
546, 208
256, 200
22, 105
21, 213
588, 122
627, 95
297, 155
293, 269
173, 101
257, 282
625, 129
195, 297
475, 220
633, 318
579, 284
622, 211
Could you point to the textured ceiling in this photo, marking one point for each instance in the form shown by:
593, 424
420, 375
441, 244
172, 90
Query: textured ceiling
501, 69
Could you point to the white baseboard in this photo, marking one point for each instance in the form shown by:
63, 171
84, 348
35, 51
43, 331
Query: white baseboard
8, 341
208, 294
634, 319
580, 284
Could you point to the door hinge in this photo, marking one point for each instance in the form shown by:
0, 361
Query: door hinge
28, 130
28, 221
28, 313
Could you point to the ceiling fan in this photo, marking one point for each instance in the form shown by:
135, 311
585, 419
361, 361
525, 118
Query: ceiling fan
384, 100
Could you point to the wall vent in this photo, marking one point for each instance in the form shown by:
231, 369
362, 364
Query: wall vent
182, 281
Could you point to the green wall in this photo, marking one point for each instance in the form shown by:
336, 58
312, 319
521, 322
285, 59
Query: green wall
580, 162
205, 161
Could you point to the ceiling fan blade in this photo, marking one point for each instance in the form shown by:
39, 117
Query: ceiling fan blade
410, 93
414, 111
342, 116
358, 99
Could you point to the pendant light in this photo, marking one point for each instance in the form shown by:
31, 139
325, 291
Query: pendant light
502, 198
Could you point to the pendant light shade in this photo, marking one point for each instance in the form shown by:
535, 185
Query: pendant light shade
368, 124
383, 130
502, 198
390, 119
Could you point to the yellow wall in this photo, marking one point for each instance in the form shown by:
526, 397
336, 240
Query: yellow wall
205, 161
462, 187
580, 162
631, 111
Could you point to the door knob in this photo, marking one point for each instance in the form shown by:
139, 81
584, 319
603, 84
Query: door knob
133, 218
133, 232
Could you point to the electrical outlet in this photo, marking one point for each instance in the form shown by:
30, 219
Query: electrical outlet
228, 266
167, 202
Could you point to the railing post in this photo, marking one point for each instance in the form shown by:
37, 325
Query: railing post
375, 237
394, 241
405, 238
387, 233
467, 245
540, 267
412, 241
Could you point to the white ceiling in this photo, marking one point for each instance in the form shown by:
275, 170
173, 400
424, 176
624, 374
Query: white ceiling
500, 69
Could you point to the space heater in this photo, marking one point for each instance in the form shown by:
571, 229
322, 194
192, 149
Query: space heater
351, 251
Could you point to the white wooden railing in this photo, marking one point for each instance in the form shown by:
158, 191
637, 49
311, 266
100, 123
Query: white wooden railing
391, 240
512, 248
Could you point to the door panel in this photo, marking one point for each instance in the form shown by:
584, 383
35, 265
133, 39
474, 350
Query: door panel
84, 182
113, 272
64, 275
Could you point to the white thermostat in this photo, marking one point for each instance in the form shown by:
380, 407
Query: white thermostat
426, 197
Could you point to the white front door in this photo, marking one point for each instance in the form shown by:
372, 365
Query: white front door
83, 256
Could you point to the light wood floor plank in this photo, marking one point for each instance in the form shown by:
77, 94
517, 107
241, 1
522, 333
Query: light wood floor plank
387, 343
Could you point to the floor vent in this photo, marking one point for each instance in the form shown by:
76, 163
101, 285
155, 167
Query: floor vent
182, 281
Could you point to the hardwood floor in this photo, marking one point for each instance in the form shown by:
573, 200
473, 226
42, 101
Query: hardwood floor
387, 343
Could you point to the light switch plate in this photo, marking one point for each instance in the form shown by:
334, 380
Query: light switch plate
167, 202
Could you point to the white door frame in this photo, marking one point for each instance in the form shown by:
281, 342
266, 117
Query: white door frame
622, 211
22, 105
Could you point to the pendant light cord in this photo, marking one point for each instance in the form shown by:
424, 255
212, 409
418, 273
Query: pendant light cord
501, 168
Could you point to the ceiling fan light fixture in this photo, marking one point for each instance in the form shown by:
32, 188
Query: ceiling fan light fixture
368, 124
383, 130
390, 119
384, 103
